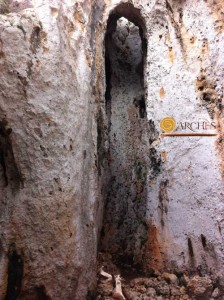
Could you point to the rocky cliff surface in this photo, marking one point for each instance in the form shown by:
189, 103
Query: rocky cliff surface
82, 94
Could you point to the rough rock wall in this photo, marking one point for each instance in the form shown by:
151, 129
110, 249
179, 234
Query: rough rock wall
190, 184
48, 138
183, 79
54, 141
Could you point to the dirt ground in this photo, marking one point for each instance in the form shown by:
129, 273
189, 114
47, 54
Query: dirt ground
132, 285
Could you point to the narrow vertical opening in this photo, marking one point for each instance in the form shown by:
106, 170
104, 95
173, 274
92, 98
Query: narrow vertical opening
15, 274
125, 229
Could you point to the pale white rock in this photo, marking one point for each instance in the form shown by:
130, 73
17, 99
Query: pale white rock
170, 278
54, 175
216, 293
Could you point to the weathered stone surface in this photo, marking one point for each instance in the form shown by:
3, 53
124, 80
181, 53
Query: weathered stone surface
170, 278
200, 287
49, 210
141, 288
55, 140
216, 293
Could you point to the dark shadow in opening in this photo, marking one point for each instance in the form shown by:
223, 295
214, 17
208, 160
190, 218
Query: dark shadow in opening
125, 230
15, 274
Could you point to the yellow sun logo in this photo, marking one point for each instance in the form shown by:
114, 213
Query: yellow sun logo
168, 124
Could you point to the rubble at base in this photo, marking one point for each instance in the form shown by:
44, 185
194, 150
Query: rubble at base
160, 286
150, 288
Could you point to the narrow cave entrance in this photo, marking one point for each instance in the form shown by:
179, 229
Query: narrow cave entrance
125, 229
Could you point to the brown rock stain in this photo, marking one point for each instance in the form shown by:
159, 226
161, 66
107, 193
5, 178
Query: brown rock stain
186, 37
79, 17
162, 93
205, 47
213, 104
71, 28
217, 9
192, 40
167, 38
188, 41
207, 93
153, 251
45, 49
88, 58
54, 12
171, 55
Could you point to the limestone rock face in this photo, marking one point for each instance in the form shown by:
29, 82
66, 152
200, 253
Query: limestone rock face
76, 136
49, 205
